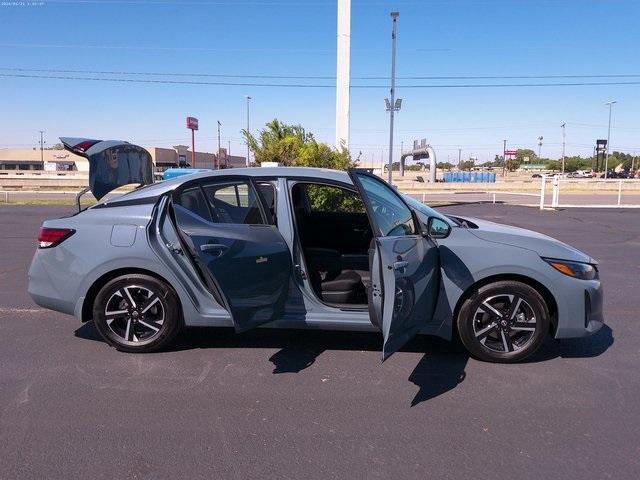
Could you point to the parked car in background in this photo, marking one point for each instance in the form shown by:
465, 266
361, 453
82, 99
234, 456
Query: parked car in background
310, 249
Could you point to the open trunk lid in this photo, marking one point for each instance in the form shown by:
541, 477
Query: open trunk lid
112, 163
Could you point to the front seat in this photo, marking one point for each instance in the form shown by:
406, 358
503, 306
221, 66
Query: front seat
344, 288
330, 281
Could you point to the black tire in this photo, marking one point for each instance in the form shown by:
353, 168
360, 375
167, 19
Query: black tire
492, 331
148, 324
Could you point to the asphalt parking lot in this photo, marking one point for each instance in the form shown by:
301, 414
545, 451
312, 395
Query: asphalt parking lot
286, 404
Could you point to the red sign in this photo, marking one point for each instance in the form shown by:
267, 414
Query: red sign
510, 152
192, 123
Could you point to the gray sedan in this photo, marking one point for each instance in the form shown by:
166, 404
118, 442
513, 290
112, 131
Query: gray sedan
313, 249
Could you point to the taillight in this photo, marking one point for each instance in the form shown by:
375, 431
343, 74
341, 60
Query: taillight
50, 237
84, 146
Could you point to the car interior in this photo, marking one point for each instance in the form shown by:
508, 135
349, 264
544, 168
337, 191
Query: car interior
229, 202
334, 235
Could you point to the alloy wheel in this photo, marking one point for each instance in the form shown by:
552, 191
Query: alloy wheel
135, 313
504, 323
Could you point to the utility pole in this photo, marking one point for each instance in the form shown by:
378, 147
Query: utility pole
248, 99
504, 157
42, 147
392, 106
218, 157
459, 156
564, 138
606, 157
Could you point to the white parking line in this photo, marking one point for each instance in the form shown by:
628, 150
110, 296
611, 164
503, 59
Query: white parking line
22, 310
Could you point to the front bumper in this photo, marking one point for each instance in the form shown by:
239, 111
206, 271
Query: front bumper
579, 308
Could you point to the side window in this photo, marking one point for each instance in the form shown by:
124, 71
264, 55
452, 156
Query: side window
233, 202
193, 199
390, 213
325, 198
268, 192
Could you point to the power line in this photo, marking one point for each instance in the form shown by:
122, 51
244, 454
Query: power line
172, 74
307, 85
312, 77
291, 3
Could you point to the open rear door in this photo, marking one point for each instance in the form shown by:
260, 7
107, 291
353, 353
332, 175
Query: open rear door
247, 266
404, 265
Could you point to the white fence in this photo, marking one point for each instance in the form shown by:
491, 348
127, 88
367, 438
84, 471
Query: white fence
559, 192
551, 192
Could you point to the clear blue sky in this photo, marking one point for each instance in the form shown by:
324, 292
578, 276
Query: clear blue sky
286, 37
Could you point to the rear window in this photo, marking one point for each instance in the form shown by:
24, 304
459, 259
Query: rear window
193, 199
233, 202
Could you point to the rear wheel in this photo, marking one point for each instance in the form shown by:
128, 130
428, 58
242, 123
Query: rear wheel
505, 321
137, 313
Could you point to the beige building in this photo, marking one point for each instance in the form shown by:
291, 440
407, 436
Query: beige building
63, 160
49, 160
180, 156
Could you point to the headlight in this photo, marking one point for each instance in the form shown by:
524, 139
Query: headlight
583, 271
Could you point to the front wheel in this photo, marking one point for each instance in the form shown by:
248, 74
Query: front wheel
137, 313
505, 321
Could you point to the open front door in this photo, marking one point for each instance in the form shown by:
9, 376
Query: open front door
404, 265
244, 260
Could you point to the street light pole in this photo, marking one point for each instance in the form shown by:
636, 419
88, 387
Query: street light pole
218, 157
606, 156
540, 138
504, 157
564, 137
248, 99
392, 103
42, 146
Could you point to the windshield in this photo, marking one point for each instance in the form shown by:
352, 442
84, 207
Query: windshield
423, 209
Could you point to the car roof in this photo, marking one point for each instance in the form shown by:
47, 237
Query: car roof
157, 189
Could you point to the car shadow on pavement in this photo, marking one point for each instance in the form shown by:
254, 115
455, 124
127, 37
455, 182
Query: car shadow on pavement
587, 347
441, 368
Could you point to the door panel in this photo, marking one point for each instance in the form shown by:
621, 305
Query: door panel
410, 276
249, 266
404, 266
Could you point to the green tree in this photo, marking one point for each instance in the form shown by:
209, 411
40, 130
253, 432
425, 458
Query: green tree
498, 161
466, 165
523, 153
552, 165
324, 198
292, 145
55, 146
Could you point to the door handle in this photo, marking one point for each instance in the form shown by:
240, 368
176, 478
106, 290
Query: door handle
400, 265
213, 248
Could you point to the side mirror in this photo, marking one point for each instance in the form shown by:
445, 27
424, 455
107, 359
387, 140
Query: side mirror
438, 228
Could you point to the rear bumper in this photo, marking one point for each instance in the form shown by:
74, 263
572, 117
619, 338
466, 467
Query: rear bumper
44, 291
580, 308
